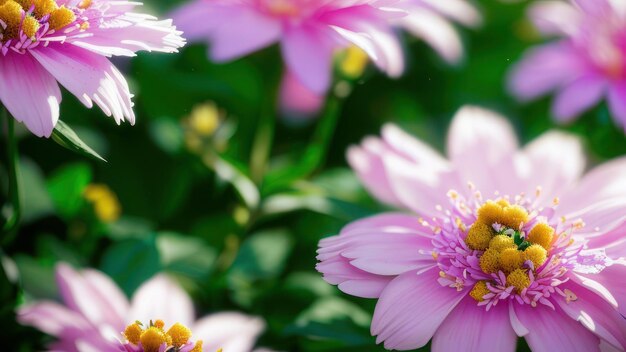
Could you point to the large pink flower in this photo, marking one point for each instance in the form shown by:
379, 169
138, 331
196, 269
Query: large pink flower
95, 312
47, 42
587, 63
498, 242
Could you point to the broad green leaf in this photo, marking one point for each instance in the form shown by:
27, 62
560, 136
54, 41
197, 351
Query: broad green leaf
36, 202
66, 187
130, 263
188, 256
67, 138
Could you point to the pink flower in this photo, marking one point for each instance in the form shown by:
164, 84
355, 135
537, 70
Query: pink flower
44, 43
588, 62
474, 265
95, 312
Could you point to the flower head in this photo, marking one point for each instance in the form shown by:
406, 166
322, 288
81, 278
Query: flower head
95, 315
44, 43
584, 66
490, 252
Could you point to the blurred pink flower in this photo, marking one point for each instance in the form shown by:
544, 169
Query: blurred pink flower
588, 62
471, 273
67, 42
95, 312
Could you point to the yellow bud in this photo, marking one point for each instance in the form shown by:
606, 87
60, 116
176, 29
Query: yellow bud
152, 338
479, 235
180, 334
513, 216
542, 234
479, 291
501, 242
354, 62
489, 261
61, 17
518, 279
159, 323
536, 254
44, 7
510, 259
30, 26
132, 333
490, 212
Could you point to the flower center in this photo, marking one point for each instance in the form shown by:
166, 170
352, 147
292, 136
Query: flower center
506, 250
153, 338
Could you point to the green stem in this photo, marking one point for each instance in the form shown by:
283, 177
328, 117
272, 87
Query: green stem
10, 227
316, 152
262, 146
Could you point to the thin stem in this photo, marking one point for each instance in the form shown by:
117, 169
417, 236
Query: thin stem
315, 155
10, 227
262, 146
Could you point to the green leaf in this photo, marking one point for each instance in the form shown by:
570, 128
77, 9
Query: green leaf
66, 187
185, 255
130, 263
67, 138
36, 202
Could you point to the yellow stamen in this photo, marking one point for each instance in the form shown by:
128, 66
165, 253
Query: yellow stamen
514, 216
30, 26
197, 347
44, 7
61, 17
510, 259
542, 234
180, 334
536, 254
518, 279
479, 235
501, 242
479, 291
489, 261
159, 323
84, 4
132, 333
11, 15
490, 212
152, 338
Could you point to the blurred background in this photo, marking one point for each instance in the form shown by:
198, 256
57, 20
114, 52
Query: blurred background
214, 188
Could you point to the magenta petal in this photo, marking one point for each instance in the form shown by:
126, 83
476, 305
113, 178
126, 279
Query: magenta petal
162, 298
308, 55
617, 102
476, 329
578, 96
551, 331
411, 309
298, 101
30, 93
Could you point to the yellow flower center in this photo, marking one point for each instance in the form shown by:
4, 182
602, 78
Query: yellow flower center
154, 336
506, 248
27, 16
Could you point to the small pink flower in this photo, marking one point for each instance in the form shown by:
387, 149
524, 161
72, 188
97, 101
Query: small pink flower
586, 65
95, 312
44, 43
487, 251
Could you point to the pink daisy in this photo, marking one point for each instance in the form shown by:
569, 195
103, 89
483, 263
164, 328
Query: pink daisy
585, 65
498, 242
97, 316
44, 43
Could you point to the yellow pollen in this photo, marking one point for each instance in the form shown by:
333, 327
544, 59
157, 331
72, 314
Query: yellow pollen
84, 4
501, 242
133, 333
61, 17
579, 224
490, 212
479, 235
518, 279
555, 201
25, 4
84, 26
435, 255
197, 347
479, 291
152, 338
30, 26
510, 260
44, 7
180, 334
489, 261
536, 254
542, 234
159, 323
11, 15
442, 274
514, 216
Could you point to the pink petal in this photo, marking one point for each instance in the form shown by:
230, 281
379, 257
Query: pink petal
551, 168
613, 280
84, 297
298, 101
599, 219
475, 329
595, 314
458, 10
89, 76
578, 96
232, 40
29, 93
411, 309
162, 298
229, 331
52, 318
478, 141
555, 17
436, 31
544, 69
551, 331
338, 271
116, 298
617, 103
308, 55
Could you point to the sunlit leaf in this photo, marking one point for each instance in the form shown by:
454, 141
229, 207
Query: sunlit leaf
67, 138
